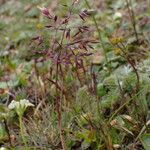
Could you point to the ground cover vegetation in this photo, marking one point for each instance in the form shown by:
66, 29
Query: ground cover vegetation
74, 75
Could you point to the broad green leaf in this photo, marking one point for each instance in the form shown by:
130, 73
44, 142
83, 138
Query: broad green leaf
145, 139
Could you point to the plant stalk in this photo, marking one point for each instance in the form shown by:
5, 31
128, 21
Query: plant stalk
21, 131
99, 32
132, 17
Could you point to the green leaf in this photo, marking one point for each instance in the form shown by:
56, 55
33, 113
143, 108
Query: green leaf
145, 139
101, 90
2, 25
3, 134
3, 112
4, 85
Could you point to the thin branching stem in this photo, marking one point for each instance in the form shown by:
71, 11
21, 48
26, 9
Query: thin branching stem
99, 33
132, 17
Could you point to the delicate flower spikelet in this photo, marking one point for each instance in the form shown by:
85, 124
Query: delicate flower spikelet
44, 11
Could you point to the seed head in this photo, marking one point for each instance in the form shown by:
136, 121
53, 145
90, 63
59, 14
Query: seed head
44, 11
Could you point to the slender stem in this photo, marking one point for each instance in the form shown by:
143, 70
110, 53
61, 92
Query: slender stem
122, 106
129, 59
60, 126
98, 31
21, 131
132, 17
105, 129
